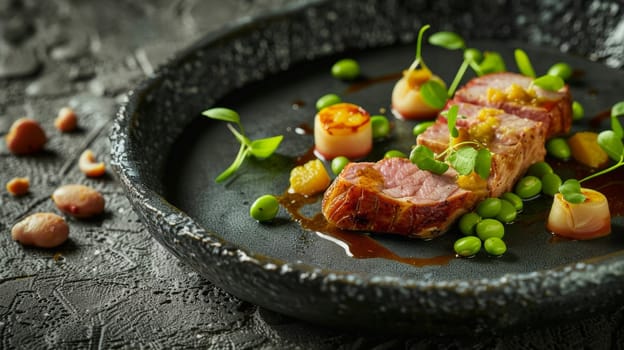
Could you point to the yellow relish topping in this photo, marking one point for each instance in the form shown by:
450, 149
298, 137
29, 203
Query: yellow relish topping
484, 130
417, 77
472, 182
514, 93
343, 116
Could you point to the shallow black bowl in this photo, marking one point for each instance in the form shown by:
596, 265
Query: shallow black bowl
271, 70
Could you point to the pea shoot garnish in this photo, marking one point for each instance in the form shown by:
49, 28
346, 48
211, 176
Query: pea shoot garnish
550, 82
465, 157
433, 93
492, 63
611, 142
259, 148
524, 63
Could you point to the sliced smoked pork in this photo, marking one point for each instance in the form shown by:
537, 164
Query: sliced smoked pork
395, 196
508, 91
515, 143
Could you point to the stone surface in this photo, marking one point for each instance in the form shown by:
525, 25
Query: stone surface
111, 285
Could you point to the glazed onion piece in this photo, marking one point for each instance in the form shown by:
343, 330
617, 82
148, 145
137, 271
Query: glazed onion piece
407, 99
343, 129
586, 220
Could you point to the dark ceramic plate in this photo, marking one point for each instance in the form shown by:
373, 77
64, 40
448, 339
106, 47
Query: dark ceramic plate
272, 70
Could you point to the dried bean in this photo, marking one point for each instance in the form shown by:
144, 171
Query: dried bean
89, 166
18, 186
25, 136
44, 230
66, 120
78, 200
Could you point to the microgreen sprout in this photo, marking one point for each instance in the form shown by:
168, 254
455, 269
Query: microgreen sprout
418, 60
524, 63
433, 93
548, 82
465, 157
492, 63
260, 148
447, 40
453, 41
611, 142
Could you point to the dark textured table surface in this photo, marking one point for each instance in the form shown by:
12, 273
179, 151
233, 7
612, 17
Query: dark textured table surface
111, 285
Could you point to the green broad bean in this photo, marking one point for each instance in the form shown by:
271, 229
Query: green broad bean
558, 147
550, 184
561, 70
540, 169
467, 246
489, 207
514, 199
507, 213
487, 228
528, 187
338, 163
346, 69
578, 112
327, 100
264, 208
421, 127
380, 126
395, 154
495, 246
468, 222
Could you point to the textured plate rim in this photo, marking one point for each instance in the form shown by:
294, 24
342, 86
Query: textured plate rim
583, 276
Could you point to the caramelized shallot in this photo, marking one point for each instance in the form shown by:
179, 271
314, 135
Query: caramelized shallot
342, 129
407, 100
587, 220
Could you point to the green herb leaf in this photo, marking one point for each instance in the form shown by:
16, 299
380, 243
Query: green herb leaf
238, 161
524, 63
434, 94
239, 136
261, 148
616, 111
571, 191
447, 40
473, 55
611, 144
451, 120
549, 82
419, 153
424, 158
224, 114
264, 148
492, 63
463, 160
483, 163
418, 58
575, 198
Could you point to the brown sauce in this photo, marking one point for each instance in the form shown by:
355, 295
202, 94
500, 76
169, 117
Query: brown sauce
306, 157
361, 85
359, 245
596, 120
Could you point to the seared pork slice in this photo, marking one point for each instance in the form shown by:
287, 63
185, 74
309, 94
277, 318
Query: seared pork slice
395, 196
508, 91
515, 143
